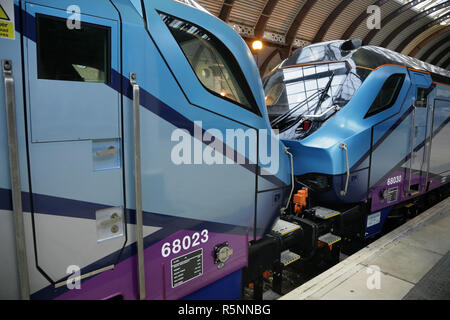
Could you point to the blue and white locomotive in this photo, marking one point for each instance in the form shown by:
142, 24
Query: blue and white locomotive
138, 160
366, 125
127, 164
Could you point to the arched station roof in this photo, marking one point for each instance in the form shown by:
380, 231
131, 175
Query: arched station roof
418, 28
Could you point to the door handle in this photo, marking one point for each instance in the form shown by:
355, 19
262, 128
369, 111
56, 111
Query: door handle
110, 151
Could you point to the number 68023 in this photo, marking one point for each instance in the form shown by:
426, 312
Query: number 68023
187, 242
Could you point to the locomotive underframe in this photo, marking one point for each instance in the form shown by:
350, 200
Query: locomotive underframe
265, 268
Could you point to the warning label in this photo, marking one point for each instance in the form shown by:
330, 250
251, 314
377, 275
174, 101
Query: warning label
7, 19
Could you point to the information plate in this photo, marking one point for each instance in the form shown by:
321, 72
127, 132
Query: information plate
373, 219
186, 267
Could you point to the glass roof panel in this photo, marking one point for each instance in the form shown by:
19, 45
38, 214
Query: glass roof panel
429, 4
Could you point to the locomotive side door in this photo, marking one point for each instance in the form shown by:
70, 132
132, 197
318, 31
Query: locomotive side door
419, 134
74, 137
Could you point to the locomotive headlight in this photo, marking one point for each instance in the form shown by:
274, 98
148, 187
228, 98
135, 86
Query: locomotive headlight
316, 181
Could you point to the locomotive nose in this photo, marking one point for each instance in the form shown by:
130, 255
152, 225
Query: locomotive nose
327, 173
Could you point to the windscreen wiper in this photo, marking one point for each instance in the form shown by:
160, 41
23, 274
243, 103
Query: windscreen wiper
324, 94
297, 107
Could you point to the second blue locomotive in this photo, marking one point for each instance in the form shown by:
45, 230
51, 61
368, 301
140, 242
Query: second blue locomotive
367, 126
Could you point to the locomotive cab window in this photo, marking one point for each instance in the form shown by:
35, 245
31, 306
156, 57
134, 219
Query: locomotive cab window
422, 95
212, 62
72, 54
387, 95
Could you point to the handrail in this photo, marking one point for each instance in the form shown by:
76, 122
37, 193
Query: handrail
344, 146
283, 210
138, 184
429, 145
411, 158
14, 170
318, 116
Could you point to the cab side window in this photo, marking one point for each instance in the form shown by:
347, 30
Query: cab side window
387, 95
72, 54
212, 62
422, 95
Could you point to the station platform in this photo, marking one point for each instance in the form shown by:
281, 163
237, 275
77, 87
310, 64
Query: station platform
410, 263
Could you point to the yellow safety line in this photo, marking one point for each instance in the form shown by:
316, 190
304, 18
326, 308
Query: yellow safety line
292, 261
334, 242
291, 231
330, 244
336, 214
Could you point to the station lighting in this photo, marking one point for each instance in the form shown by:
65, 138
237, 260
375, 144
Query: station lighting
257, 45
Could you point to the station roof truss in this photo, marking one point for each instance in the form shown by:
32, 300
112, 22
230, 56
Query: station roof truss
418, 28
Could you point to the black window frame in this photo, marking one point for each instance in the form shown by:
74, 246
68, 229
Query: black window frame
108, 76
394, 96
238, 73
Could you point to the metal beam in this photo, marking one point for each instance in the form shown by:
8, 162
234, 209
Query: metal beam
225, 11
330, 19
406, 24
435, 47
360, 19
425, 42
264, 17
295, 25
422, 29
391, 17
440, 55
